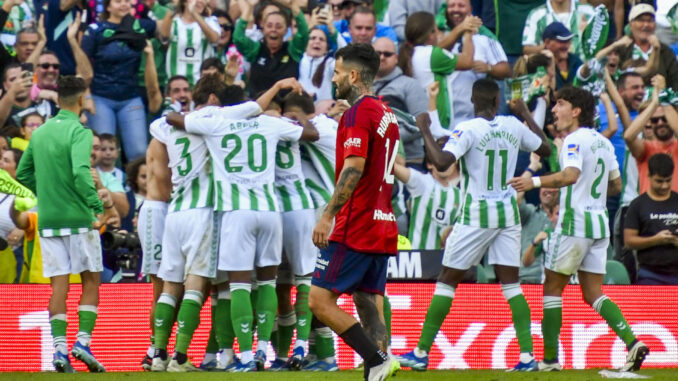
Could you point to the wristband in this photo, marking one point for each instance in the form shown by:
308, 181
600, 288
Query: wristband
536, 181
528, 169
535, 244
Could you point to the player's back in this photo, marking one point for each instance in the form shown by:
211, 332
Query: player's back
487, 151
366, 222
189, 163
583, 210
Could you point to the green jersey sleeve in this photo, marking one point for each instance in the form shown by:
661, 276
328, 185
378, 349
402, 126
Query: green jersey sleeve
248, 48
298, 44
442, 61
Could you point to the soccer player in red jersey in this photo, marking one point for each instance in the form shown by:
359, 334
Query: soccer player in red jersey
354, 257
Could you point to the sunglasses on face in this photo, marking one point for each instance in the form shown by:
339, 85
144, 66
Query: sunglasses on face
46, 66
658, 119
227, 27
386, 54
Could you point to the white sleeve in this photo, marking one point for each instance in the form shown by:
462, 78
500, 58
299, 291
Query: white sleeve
288, 130
417, 184
437, 129
529, 141
459, 142
213, 23
612, 162
159, 131
539, 113
530, 30
571, 154
241, 111
201, 122
495, 52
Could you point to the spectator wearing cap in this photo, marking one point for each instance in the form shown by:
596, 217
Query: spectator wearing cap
642, 25
558, 40
361, 25
399, 10
571, 13
489, 59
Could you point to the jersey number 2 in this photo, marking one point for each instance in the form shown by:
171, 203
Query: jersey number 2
390, 161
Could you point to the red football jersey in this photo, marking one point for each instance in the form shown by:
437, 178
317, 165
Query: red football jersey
366, 222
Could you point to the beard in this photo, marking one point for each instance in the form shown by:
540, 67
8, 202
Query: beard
343, 89
658, 133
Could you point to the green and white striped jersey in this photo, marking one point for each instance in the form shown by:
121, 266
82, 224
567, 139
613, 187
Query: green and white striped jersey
189, 161
583, 211
188, 47
487, 151
575, 20
243, 156
434, 207
429, 64
290, 184
17, 18
318, 160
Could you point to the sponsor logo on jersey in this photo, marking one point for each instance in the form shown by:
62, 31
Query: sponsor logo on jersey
352, 142
456, 134
382, 216
572, 150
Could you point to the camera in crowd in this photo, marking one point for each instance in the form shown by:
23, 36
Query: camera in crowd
122, 251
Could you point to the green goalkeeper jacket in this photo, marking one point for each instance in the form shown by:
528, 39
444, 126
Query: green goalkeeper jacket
56, 167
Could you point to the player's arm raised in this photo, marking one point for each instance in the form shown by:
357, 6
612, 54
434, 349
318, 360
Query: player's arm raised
519, 108
310, 133
348, 180
439, 158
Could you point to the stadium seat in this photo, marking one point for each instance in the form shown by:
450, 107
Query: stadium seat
615, 273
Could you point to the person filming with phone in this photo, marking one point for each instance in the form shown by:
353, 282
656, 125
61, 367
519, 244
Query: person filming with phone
651, 226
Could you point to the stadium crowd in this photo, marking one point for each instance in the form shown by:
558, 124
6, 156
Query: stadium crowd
143, 59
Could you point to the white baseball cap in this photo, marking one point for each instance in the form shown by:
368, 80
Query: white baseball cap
640, 9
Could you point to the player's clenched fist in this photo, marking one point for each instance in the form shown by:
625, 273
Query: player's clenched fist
521, 184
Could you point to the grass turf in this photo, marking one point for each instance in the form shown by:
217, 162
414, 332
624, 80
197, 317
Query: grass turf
456, 375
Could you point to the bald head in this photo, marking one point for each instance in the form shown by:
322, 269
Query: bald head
386, 49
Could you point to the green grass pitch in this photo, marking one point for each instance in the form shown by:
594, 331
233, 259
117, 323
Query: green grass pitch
449, 375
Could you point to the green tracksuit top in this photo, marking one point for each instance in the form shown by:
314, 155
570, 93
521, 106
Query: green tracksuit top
56, 167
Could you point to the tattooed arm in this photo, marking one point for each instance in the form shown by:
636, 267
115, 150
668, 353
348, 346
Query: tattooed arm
370, 308
348, 180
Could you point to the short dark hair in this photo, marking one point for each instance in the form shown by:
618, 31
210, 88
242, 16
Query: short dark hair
581, 99
232, 95
8, 67
484, 94
212, 62
660, 164
364, 10
26, 30
304, 101
208, 84
176, 78
70, 88
47, 52
621, 81
109, 138
259, 11
537, 60
132, 170
94, 132
364, 56
34, 113
17, 155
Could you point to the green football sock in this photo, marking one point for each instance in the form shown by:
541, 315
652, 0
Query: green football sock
520, 313
59, 324
241, 314
164, 320
212, 345
387, 317
267, 304
324, 343
87, 317
285, 332
550, 326
615, 319
188, 319
436, 314
224, 324
301, 309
